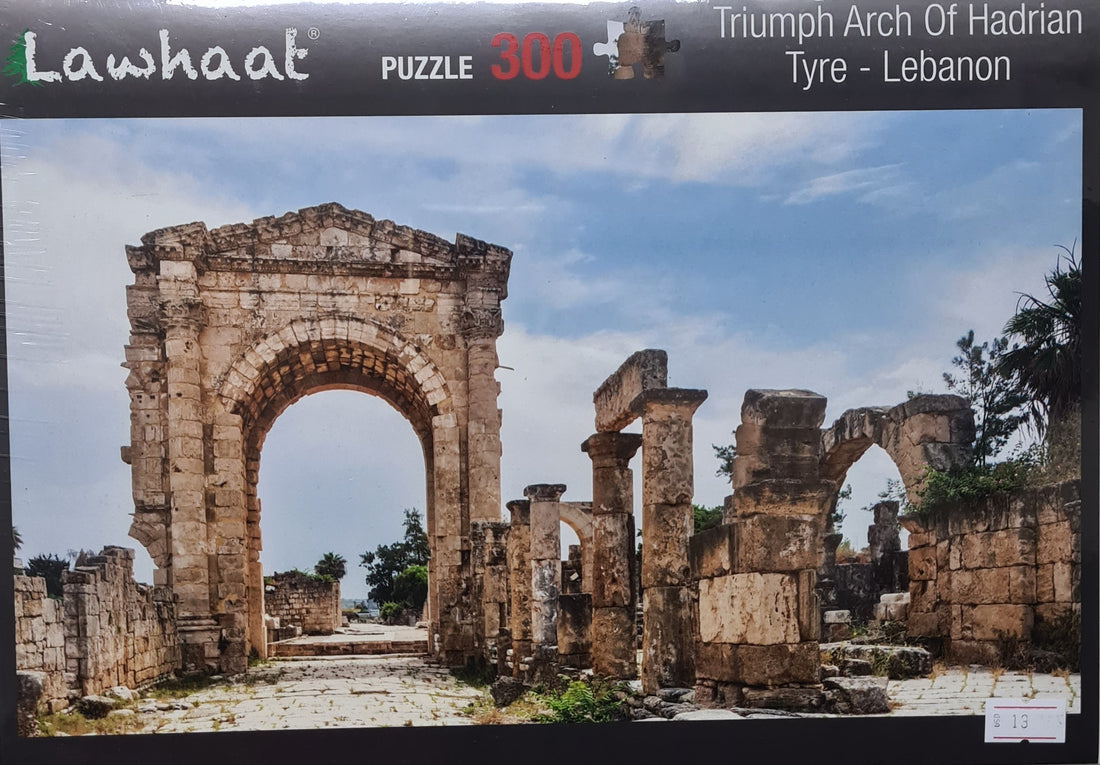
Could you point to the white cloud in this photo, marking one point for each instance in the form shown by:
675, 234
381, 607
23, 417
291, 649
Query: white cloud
867, 181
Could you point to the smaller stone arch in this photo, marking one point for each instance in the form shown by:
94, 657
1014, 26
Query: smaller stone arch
935, 430
578, 516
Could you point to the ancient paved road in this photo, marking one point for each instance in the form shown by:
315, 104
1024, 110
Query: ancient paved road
408, 690
324, 693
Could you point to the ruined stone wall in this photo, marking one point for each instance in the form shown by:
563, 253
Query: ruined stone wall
984, 573
300, 600
40, 639
117, 631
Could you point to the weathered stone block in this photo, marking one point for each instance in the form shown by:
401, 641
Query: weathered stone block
997, 622
711, 552
922, 564
667, 639
774, 665
642, 371
778, 543
614, 637
613, 542
665, 545
1055, 543
761, 609
987, 653
783, 408
780, 497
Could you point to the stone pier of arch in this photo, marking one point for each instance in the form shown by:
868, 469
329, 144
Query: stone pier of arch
230, 326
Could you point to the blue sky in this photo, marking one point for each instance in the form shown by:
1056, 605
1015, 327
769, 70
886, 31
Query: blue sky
844, 253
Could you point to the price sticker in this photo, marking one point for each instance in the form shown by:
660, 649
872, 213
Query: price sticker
1039, 720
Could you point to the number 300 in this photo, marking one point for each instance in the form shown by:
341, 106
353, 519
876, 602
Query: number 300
549, 56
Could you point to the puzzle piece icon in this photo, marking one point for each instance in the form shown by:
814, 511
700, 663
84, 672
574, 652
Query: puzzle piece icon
636, 42
611, 47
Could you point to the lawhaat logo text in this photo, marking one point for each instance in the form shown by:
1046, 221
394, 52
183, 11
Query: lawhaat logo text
78, 64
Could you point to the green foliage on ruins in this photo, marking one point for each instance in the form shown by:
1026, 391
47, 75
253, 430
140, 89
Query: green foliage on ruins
49, 567
310, 575
387, 562
837, 515
1034, 382
705, 517
593, 700
725, 455
332, 565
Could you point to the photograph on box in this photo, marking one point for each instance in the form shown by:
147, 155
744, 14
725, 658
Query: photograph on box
667, 416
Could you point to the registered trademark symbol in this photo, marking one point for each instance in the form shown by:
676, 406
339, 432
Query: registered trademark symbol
313, 33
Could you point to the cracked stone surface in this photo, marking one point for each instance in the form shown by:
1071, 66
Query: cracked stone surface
382, 691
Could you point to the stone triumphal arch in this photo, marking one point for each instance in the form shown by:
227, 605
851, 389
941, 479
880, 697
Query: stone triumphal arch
231, 326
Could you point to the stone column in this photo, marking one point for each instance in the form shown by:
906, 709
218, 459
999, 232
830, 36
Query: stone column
182, 319
483, 423
668, 484
519, 581
485, 269
545, 575
613, 595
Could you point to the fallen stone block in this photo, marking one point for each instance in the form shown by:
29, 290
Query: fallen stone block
95, 707
708, 714
857, 695
506, 690
787, 699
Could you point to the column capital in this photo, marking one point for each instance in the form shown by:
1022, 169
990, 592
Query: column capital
612, 449
682, 401
544, 492
521, 512
184, 313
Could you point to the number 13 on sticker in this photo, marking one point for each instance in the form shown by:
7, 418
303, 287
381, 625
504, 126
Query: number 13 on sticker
1041, 720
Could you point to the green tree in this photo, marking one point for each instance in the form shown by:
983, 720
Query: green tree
410, 587
1046, 362
837, 515
16, 538
386, 562
705, 518
997, 401
332, 565
49, 567
725, 455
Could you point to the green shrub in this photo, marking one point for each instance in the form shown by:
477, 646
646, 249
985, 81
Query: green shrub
583, 701
940, 490
389, 611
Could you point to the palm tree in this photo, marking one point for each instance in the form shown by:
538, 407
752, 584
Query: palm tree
332, 564
16, 538
1047, 363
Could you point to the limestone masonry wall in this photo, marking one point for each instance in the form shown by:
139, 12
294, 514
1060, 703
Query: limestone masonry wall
985, 573
40, 639
117, 631
108, 630
295, 599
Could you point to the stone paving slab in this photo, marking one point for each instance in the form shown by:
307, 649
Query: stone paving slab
367, 691
383, 691
356, 640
